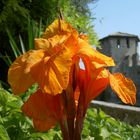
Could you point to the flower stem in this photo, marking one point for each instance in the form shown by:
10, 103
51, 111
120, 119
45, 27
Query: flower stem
64, 128
70, 111
63, 120
79, 118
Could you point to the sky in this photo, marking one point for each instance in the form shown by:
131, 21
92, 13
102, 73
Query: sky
116, 15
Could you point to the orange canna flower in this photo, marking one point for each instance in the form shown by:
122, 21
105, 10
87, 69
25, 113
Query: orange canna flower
65, 90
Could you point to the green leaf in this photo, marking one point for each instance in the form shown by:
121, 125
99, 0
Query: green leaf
14, 102
3, 133
30, 34
115, 136
6, 58
43, 136
104, 132
85, 132
98, 138
3, 97
102, 114
13, 44
57, 136
22, 45
39, 29
1, 120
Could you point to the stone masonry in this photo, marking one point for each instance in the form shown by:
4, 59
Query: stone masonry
123, 48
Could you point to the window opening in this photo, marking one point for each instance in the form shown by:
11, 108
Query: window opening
127, 43
118, 43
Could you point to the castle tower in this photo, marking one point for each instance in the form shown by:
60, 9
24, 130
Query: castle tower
122, 47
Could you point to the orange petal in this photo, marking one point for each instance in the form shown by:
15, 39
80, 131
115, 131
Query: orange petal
52, 45
124, 88
91, 88
98, 60
48, 44
59, 27
96, 87
41, 43
52, 74
19, 76
71, 43
43, 107
59, 32
45, 124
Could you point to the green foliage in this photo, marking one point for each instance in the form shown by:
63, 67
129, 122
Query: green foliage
3, 133
14, 125
12, 14
100, 126
20, 47
97, 125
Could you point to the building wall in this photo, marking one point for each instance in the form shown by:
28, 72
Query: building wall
126, 47
105, 47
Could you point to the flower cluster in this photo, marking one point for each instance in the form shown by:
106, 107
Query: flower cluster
64, 88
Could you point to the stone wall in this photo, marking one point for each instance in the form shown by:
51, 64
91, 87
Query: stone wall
129, 114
